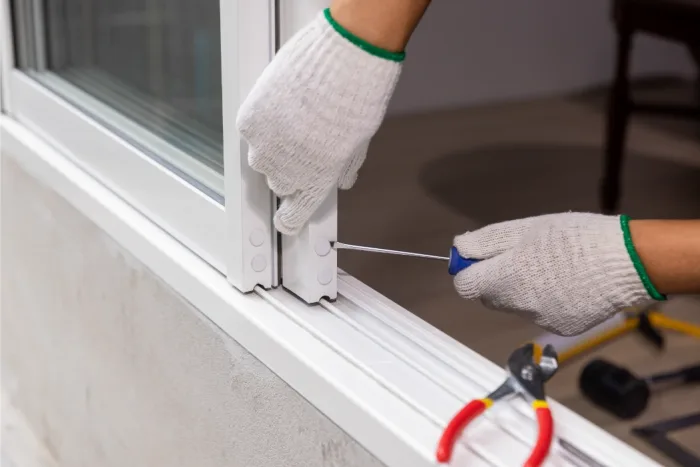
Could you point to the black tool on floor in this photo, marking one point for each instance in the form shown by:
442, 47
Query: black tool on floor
618, 391
657, 435
649, 331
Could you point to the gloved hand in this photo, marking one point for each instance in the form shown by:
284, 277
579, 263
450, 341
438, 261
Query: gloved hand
311, 114
565, 272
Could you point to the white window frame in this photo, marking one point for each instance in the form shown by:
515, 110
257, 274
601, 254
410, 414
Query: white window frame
7, 54
387, 378
309, 265
248, 42
237, 239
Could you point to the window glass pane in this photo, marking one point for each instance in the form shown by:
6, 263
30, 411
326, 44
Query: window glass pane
156, 62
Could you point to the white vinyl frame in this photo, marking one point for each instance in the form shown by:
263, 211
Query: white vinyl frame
237, 239
248, 38
7, 58
309, 264
40, 34
388, 379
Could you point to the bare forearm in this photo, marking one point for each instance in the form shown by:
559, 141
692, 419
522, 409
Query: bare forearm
670, 252
388, 24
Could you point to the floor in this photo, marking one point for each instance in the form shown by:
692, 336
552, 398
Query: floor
429, 177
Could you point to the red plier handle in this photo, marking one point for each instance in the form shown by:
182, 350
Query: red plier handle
544, 436
458, 423
477, 407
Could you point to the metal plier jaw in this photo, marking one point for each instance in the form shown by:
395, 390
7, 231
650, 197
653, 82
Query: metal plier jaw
525, 378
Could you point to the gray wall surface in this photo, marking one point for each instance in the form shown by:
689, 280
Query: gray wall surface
480, 51
114, 369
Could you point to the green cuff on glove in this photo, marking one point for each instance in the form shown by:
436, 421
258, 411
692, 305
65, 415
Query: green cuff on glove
637, 261
363, 44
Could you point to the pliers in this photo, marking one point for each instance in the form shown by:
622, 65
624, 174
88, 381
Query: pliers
526, 378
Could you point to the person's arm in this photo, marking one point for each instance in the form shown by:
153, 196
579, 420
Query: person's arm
568, 272
311, 115
387, 24
670, 252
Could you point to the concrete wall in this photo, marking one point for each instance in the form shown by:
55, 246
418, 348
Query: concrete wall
114, 369
480, 51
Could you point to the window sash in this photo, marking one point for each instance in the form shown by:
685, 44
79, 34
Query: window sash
309, 267
242, 241
248, 37
238, 239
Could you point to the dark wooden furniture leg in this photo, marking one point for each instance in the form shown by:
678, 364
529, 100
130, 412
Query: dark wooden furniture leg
618, 115
695, 53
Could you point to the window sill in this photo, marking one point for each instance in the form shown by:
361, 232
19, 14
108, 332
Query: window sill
387, 378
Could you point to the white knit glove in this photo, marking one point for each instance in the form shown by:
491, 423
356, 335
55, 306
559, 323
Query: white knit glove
565, 272
311, 114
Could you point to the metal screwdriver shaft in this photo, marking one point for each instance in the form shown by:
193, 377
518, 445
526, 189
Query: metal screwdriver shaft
345, 246
455, 262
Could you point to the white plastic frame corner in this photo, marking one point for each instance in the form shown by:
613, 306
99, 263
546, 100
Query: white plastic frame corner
247, 44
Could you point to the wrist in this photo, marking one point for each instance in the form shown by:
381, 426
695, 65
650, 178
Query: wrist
640, 242
362, 29
670, 251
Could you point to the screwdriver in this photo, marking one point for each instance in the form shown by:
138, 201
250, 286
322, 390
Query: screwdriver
455, 262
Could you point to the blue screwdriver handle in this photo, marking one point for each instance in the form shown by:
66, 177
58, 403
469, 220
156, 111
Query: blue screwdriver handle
458, 263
